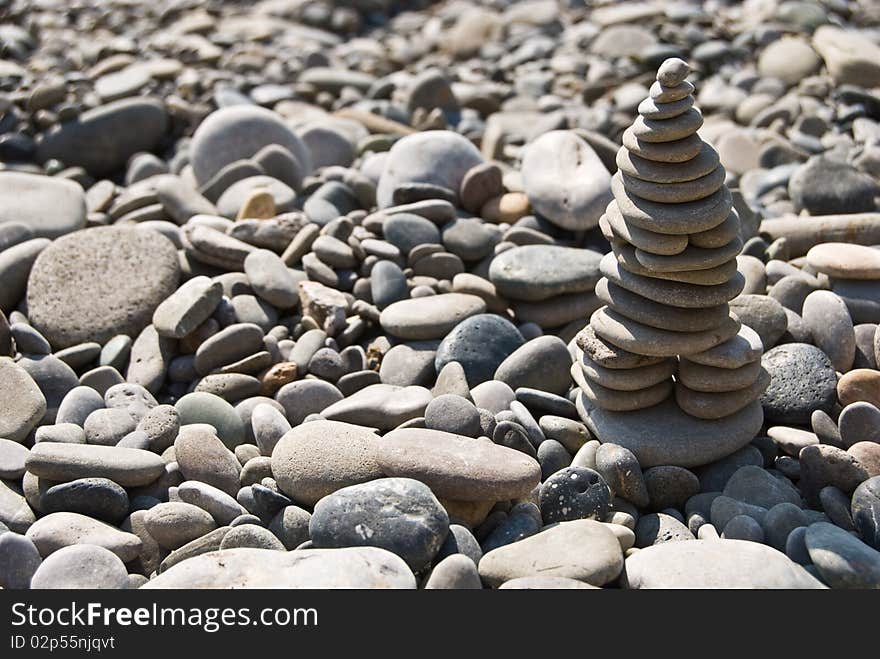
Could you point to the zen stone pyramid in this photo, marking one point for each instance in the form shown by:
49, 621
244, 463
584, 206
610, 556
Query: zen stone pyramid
665, 368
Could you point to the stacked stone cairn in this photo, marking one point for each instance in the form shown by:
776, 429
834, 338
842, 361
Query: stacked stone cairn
667, 328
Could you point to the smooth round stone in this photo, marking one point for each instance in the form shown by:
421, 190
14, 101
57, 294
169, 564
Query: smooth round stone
381, 406
128, 467
247, 567
826, 316
545, 583
201, 456
541, 363
387, 284
714, 564
619, 467
566, 182
845, 260
49, 206
859, 422
665, 435
862, 384
54, 378
429, 317
251, 535
789, 59
409, 364
317, 458
585, 550
58, 530
455, 572
669, 486
203, 407
188, 307
823, 465
239, 132
537, 272
19, 559
802, 379
174, 524
763, 314
217, 503
435, 157
827, 186
456, 467
756, 486
78, 404
408, 230
100, 498
480, 344
453, 414
842, 560
469, 239
81, 567
94, 284
398, 514
305, 397
22, 404
574, 493
492, 395
866, 511
270, 279
102, 139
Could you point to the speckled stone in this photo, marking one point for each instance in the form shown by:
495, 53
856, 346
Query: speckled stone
94, 284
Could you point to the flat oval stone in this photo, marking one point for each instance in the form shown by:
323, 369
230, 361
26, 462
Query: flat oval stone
13, 457
845, 260
58, 530
714, 564
203, 407
842, 560
665, 435
658, 315
742, 349
317, 458
826, 316
49, 205
128, 467
100, 498
859, 422
188, 307
643, 339
398, 514
430, 317
582, 549
672, 293
689, 217
103, 138
247, 567
536, 272
174, 524
382, 406
19, 559
94, 284
456, 467
201, 456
